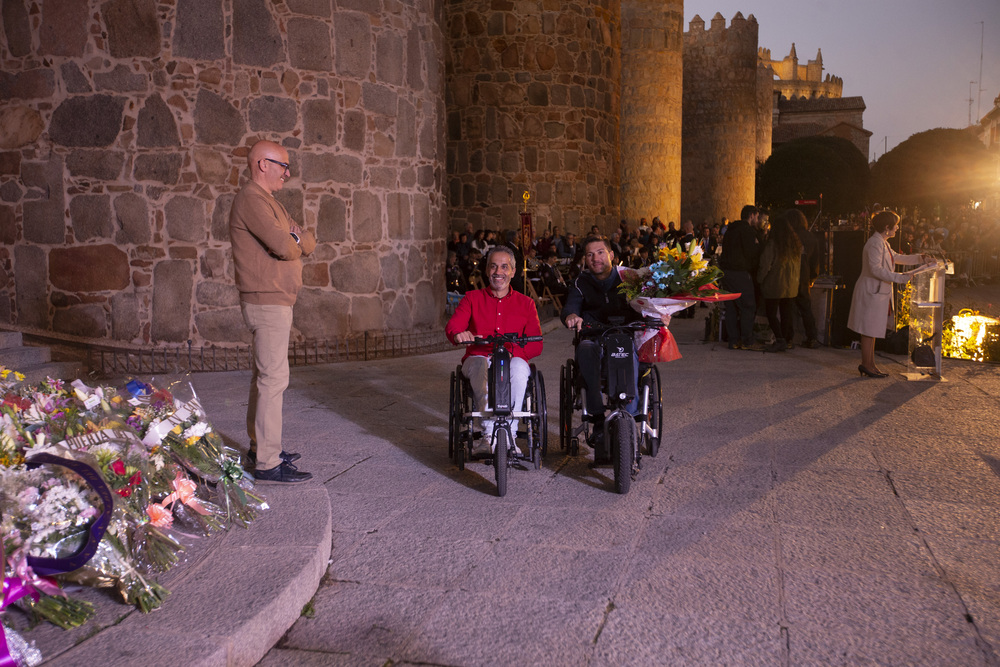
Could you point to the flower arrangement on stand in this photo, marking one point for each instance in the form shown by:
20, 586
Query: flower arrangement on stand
678, 279
106, 487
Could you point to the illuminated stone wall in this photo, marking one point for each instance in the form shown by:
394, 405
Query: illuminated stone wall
721, 112
124, 126
533, 104
652, 71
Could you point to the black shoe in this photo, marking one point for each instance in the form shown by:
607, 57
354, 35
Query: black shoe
286, 457
281, 474
736, 346
810, 344
777, 346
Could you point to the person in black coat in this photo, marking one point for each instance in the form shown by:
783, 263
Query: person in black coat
808, 272
740, 255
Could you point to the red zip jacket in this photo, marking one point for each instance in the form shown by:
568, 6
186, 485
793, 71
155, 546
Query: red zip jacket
483, 314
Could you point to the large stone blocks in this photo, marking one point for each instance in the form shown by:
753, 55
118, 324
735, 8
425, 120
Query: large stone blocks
157, 127
309, 44
87, 121
256, 38
90, 217
216, 121
133, 29
125, 136
186, 219
199, 30
171, 316
89, 268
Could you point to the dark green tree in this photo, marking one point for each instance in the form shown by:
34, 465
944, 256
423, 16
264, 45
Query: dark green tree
942, 167
812, 166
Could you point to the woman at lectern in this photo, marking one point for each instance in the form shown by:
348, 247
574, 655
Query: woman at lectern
871, 305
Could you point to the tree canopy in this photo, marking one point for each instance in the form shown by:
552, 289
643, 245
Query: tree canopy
942, 167
812, 166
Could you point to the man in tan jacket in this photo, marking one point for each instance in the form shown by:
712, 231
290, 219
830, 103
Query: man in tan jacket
267, 247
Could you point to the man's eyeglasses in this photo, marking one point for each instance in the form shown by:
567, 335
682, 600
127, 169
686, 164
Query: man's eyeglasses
283, 165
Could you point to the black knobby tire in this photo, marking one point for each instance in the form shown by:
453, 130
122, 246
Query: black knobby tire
565, 407
542, 421
500, 462
621, 432
452, 425
655, 415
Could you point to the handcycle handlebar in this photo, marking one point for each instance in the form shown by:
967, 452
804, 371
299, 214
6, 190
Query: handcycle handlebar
500, 339
598, 330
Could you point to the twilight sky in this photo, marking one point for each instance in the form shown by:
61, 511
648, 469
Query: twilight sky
911, 60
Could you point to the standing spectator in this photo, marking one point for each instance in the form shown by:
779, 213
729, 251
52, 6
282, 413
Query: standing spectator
740, 256
778, 275
479, 242
808, 272
267, 251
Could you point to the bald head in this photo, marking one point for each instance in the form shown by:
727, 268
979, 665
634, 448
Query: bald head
267, 161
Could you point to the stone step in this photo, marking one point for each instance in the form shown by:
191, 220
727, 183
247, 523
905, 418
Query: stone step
18, 358
10, 339
60, 370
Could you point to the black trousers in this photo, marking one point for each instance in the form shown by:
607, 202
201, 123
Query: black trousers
803, 304
740, 313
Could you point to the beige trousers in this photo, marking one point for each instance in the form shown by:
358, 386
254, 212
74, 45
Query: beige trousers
270, 327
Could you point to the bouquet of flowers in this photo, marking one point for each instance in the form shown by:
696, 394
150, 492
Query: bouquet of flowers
675, 281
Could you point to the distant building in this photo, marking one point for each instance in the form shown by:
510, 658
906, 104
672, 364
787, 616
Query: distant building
807, 104
989, 134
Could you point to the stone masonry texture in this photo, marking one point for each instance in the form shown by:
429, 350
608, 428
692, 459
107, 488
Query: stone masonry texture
652, 69
720, 118
533, 100
124, 131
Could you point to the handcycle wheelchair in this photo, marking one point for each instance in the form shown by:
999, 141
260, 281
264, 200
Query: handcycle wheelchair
533, 417
624, 435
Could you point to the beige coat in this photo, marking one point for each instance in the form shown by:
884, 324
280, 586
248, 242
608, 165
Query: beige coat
871, 304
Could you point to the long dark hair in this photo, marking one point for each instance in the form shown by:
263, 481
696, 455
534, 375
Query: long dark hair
786, 242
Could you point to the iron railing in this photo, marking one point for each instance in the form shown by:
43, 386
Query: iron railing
111, 361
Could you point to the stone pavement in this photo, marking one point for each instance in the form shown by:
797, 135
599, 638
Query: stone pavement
796, 514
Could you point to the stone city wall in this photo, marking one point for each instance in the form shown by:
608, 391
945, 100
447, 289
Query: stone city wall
721, 112
124, 128
533, 102
652, 72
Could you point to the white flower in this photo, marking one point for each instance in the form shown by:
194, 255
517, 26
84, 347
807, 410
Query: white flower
197, 430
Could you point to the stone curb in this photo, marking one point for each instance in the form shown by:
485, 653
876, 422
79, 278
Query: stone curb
233, 604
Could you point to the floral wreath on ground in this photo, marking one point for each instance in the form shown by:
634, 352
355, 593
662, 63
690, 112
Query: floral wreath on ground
106, 487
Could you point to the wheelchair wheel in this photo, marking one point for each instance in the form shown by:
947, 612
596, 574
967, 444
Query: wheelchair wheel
452, 422
622, 433
542, 418
500, 462
565, 406
463, 426
655, 415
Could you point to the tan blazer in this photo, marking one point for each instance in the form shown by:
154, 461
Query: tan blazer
871, 304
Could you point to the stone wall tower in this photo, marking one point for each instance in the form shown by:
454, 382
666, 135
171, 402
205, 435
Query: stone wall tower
652, 73
720, 118
533, 102
124, 127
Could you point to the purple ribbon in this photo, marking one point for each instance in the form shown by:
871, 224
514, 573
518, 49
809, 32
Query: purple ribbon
13, 590
52, 566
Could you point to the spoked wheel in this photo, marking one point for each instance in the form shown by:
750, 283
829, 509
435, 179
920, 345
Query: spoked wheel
531, 425
500, 462
622, 434
463, 428
452, 422
542, 420
566, 407
655, 415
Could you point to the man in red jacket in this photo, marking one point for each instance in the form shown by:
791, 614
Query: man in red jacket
267, 247
496, 309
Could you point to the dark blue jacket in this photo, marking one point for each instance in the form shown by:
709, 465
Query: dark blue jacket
597, 301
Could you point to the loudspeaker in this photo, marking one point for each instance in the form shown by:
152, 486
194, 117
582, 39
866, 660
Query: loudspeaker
846, 255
